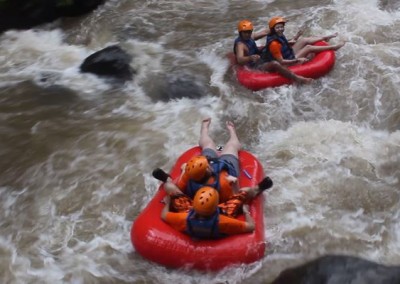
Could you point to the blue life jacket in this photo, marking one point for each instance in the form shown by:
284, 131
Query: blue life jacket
251, 45
286, 50
203, 228
217, 166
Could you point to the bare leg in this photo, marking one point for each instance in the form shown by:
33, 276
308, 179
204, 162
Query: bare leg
328, 37
277, 67
304, 41
205, 140
233, 145
304, 52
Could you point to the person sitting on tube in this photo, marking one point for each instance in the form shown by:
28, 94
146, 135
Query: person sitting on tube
210, 168
205, 220
297, 50
248, 54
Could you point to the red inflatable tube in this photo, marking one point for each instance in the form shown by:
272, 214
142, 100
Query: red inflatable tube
256, 80
158, 242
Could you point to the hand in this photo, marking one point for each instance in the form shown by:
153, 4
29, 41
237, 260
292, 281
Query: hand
302, 60
299, 34
183, 166
255, 57
171, 188
175, 192
231, 179
246, 209
166, 199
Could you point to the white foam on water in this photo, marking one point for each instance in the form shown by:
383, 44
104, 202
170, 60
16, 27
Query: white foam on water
44, 58
147, 58
219, 66
364, 16
318, 167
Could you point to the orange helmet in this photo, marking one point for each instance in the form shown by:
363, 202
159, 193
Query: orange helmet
274, 21
197, 167
245, 25
205, 201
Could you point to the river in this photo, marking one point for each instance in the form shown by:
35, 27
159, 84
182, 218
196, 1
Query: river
77, 151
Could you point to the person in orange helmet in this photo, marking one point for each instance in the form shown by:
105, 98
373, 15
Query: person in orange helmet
296, 50
204, 220
209, 169
219, 171
248, 54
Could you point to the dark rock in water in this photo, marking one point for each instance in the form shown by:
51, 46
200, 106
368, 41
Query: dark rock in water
25, 14
175, 86
340, 270
74, 8
111, 61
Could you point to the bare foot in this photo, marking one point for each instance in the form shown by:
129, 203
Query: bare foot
304, 80
233, 145
205, 140
339, 45
205, 124
230, 126
327, 38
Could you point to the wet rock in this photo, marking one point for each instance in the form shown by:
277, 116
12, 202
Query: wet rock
25, 14
74, 8
111, 61
340, 270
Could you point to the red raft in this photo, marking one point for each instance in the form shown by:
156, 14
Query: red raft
157, 241
255, 80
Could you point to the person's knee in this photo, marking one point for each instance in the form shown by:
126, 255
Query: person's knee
273, 65
309, 48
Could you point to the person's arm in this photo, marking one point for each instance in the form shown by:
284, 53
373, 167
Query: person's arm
260, 34
296, 37
233, 226
171, 188
289, 62
275, 49
165, 210
250, 224
253, 191
176, 220
233, 181
241, 58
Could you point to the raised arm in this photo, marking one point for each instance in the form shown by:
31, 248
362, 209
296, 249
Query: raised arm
170, 187
165, 210
260, 34
250, 224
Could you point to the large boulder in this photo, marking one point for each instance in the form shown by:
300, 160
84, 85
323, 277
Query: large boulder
111, 61
25, 14
334, 269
